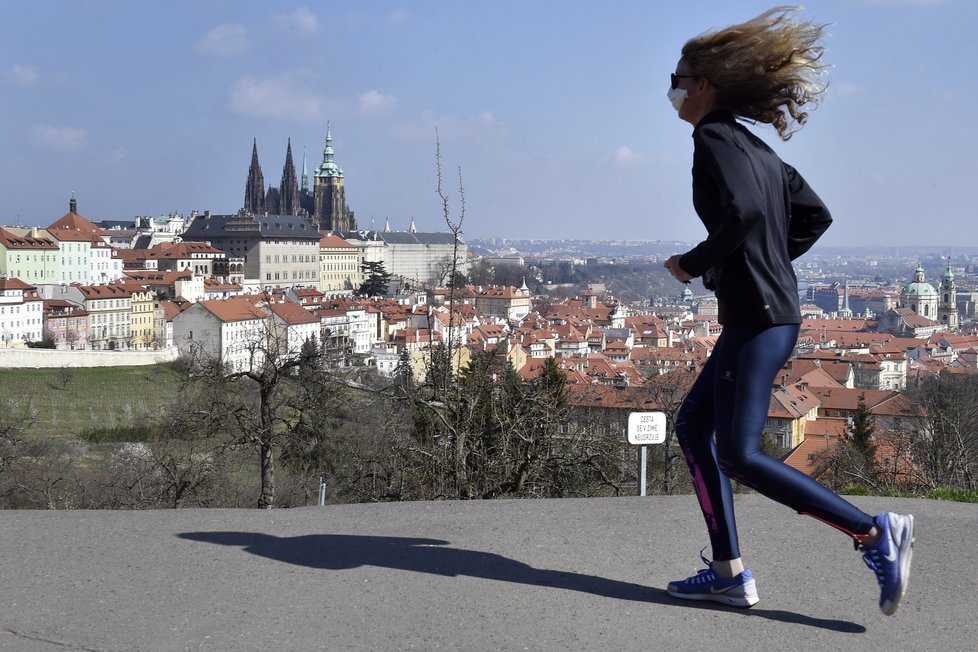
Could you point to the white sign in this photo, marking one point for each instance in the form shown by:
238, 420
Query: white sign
646, 428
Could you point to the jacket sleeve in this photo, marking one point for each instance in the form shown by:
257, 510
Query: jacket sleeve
809, 216
730, 169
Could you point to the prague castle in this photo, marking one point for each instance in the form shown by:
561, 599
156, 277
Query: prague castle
325, 203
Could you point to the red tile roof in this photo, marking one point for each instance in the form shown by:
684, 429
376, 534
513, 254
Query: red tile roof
234, 309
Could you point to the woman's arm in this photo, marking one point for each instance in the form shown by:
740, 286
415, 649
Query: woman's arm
731, 171
809, 216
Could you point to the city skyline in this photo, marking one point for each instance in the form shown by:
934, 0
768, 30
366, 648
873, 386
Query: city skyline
556, 114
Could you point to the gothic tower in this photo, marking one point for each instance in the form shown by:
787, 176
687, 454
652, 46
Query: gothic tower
289, 190
949, 300
331, 211
254, 199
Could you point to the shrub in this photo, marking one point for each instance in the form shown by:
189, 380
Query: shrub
957, 495
132, 433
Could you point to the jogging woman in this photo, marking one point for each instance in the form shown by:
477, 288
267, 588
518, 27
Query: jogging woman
760, 214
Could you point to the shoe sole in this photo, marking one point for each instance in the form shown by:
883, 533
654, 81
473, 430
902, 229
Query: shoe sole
905, 555
744, 602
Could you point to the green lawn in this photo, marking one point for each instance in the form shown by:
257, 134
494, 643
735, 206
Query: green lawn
68, 402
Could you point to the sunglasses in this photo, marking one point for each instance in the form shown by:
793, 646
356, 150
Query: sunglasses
674, 79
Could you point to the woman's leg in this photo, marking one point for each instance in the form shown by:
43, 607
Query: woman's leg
694, 432
744, 376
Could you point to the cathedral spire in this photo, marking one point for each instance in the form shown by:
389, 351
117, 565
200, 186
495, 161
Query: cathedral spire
289, 189
254, 200
305, 172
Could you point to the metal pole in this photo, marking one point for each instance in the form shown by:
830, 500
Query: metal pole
642, 458
322, 491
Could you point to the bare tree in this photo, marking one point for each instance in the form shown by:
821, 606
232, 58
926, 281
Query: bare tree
16, 419
945, 449
259, 404
667, 392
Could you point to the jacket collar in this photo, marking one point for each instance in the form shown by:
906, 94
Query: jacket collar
718, 115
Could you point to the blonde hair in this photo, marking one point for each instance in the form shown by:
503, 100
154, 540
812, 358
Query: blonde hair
766, 69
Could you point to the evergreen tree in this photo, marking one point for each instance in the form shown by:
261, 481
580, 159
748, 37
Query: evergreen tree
861, 428
376, 279
456, 280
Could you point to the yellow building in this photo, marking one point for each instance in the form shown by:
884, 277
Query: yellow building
339, 266
142, 326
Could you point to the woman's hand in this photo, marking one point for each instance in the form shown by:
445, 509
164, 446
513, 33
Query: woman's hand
677, 272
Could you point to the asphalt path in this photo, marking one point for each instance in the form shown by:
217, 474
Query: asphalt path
587, 574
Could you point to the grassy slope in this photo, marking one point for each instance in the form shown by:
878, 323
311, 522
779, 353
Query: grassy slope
92, 397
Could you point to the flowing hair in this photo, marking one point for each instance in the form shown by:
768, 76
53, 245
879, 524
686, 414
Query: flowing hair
766, 69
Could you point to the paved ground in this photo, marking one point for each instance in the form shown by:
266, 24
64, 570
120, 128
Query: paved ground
501, 575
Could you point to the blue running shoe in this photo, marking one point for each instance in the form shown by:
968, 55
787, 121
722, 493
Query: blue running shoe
739, 591
890, 558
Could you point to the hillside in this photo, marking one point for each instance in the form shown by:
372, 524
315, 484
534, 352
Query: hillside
68, 402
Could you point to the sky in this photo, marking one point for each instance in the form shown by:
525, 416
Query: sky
553, 112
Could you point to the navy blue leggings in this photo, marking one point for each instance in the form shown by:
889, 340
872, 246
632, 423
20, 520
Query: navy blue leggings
719, 428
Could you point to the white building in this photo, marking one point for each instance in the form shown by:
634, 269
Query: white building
151, 231
106, 266
386, 360
293, 325
506, 302
21, 313
234, 331
424, 258
360, 331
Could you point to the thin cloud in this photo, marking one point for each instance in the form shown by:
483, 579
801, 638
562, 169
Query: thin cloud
424, 126
58, 138
23, 75
846, 89
289, 96
227, 40
626, 156
903, 2
374, 102
398, 17
301, 21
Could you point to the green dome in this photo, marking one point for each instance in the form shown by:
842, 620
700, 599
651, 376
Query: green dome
920, 287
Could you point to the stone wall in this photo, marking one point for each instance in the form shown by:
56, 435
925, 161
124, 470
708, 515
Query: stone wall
36, 358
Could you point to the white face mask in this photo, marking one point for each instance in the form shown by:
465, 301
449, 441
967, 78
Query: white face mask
677, 96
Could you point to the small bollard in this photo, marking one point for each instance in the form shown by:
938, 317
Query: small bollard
322, 491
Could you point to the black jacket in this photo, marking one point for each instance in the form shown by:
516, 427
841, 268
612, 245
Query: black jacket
760, 215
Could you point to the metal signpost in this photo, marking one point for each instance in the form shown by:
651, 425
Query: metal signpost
645, 428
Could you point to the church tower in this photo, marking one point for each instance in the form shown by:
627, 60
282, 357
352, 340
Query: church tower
949, 299
846, 311
288, 199
920, 296
254, 199
331, 211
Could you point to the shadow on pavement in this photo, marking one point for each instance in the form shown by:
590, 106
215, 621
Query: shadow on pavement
343, 551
